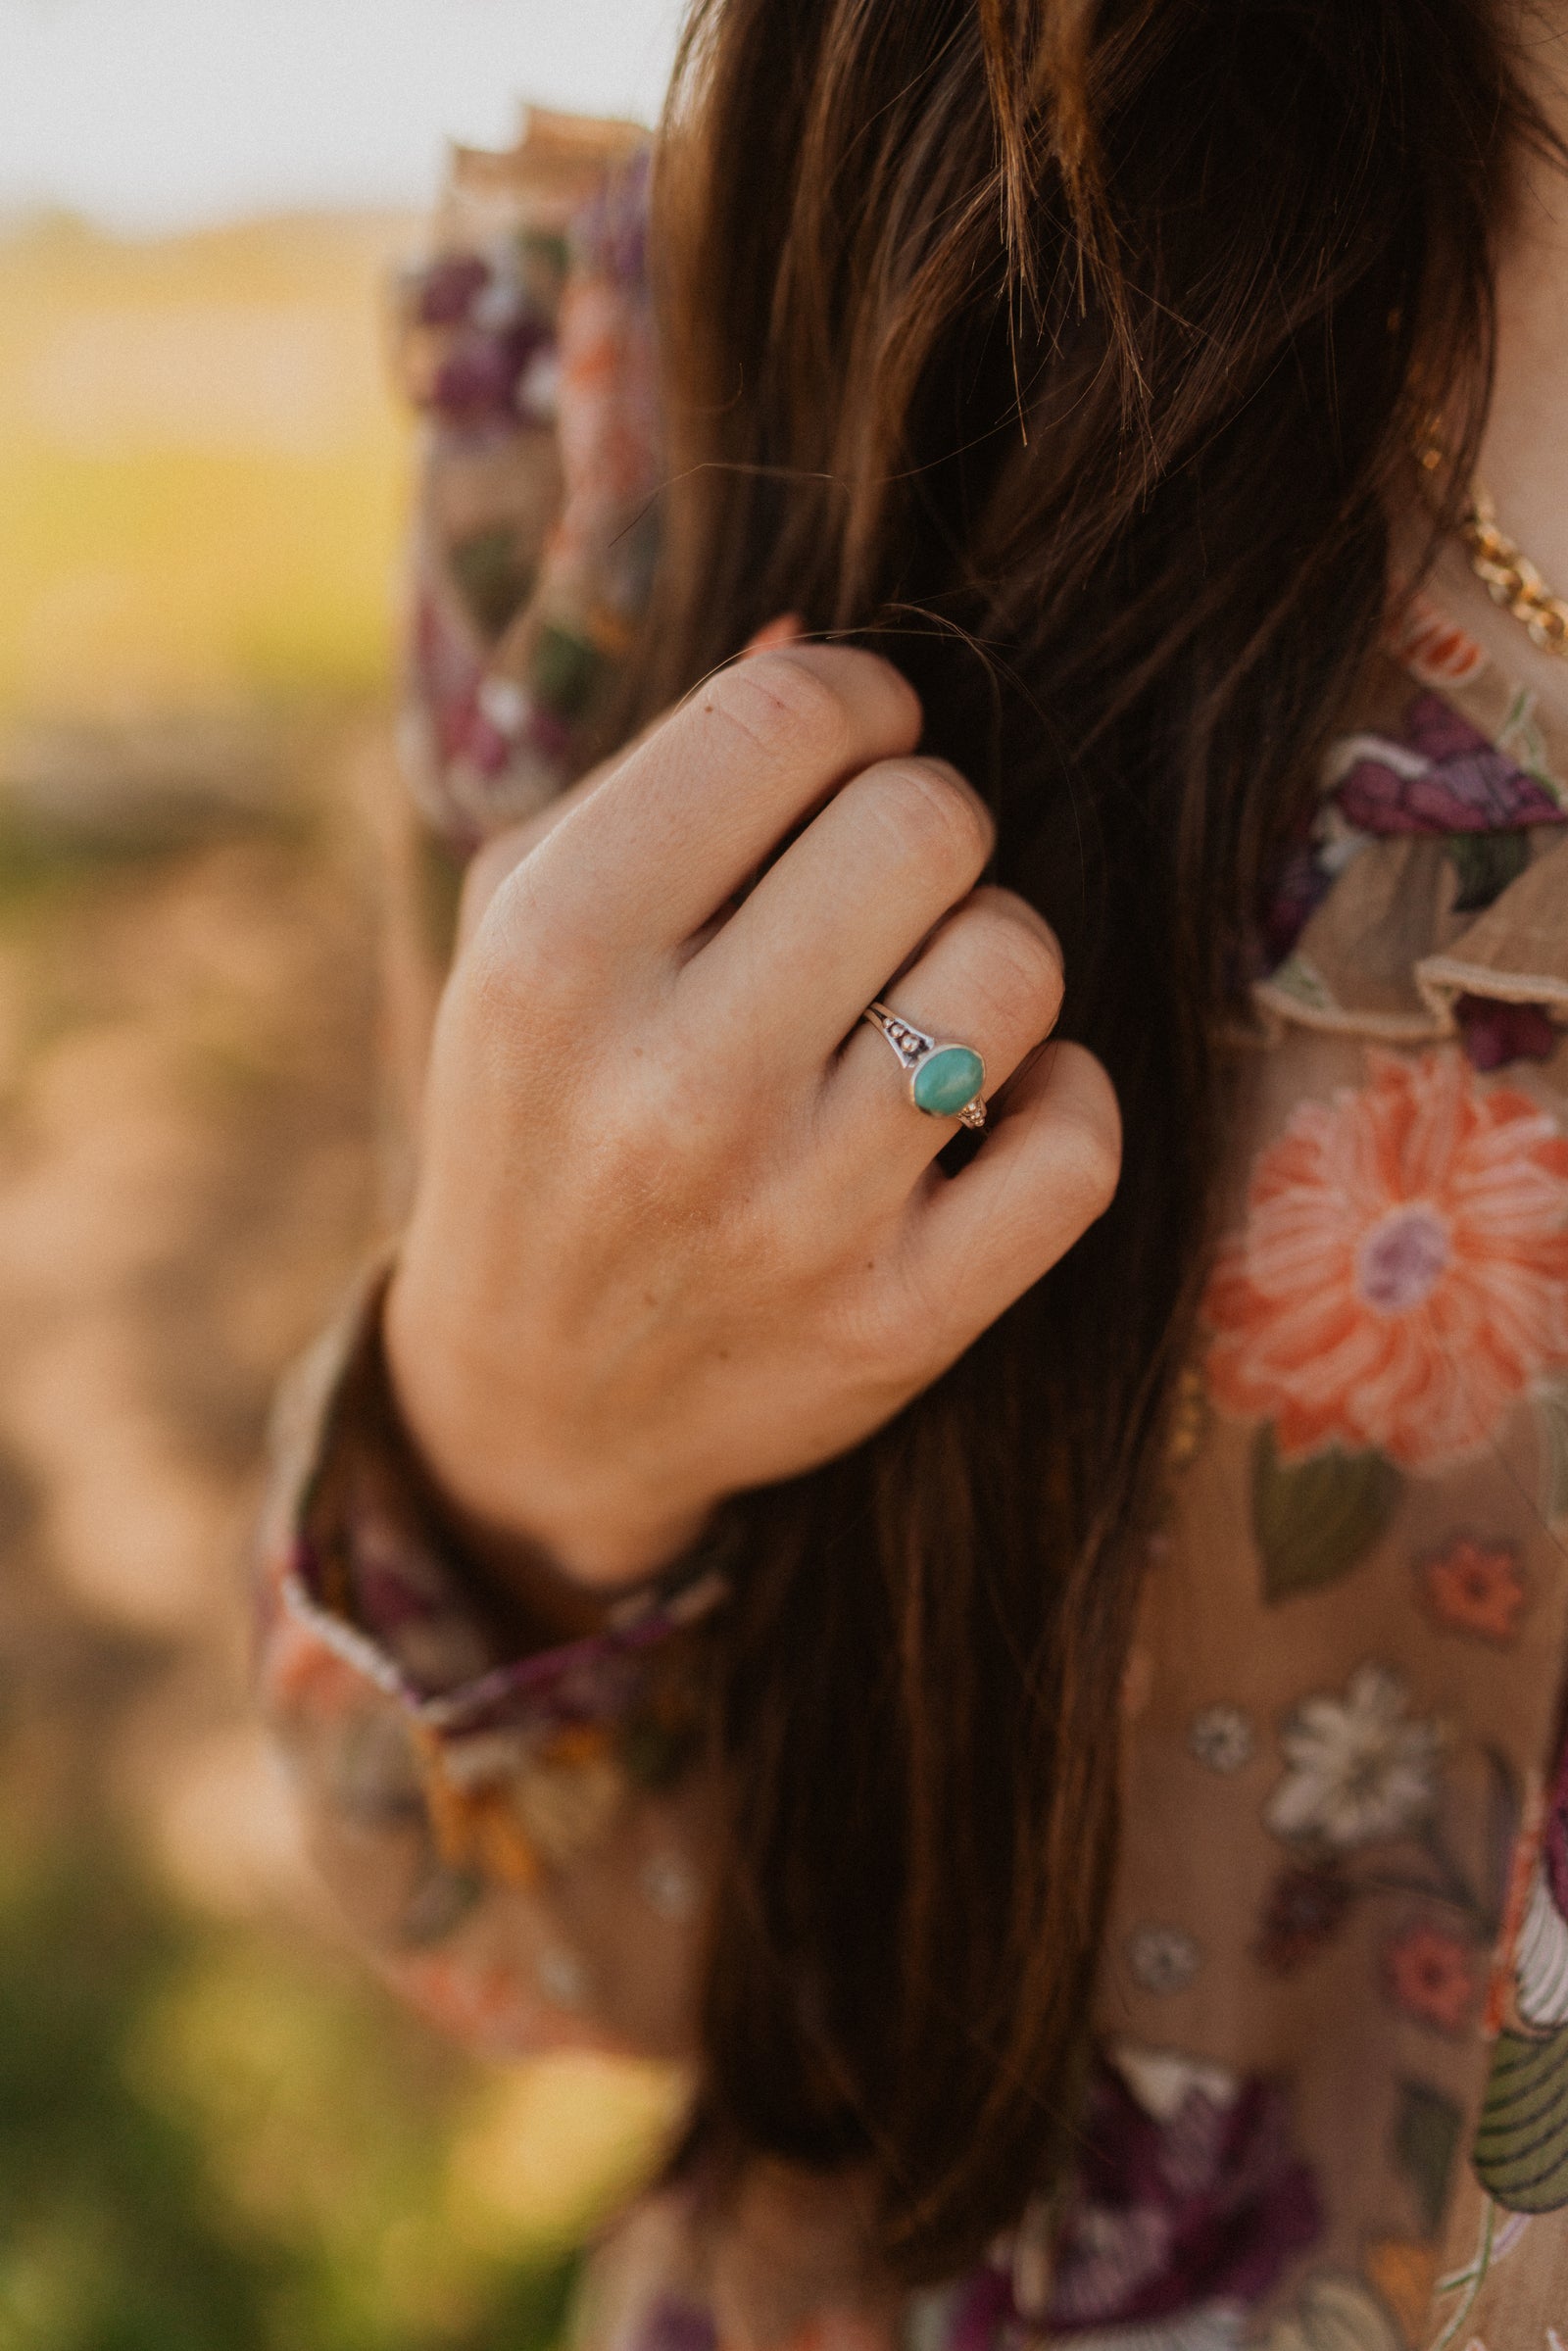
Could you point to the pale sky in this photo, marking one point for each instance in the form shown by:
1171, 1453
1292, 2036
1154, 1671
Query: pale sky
161, 114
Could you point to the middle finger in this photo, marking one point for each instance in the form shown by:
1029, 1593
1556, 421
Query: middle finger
847, 904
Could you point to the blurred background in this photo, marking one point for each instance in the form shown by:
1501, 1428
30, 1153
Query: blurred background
214, 2133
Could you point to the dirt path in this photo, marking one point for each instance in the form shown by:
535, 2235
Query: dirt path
215, 2134
187, 1174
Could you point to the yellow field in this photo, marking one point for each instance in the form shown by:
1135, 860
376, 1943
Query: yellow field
202, 469
203, 478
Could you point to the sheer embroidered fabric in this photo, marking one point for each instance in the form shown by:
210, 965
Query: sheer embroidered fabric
1331, 2107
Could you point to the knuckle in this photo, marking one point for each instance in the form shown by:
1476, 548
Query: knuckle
501, 976
1021, 975
931, 813
783, 708
519, 963
687, 1132
636, 1163
1089, 1162
522, 920
899, 705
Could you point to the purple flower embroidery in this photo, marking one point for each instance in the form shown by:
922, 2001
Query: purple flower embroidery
387, 1600
1442, 776
1439, 774
1497, 1033
672, 2325
445, 292
1204, 2205
1541, 1955
610, 234
1554, 1845
480, 379
1301, 885
983, 2313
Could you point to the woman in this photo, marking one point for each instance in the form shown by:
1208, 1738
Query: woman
765, 1534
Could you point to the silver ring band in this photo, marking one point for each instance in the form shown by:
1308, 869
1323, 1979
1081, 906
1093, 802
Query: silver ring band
945, 1079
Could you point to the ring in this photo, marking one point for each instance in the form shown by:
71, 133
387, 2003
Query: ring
945, 1080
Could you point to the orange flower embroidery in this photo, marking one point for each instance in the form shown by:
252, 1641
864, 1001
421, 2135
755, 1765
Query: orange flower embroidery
1402, 1274
1434, 648
301, 1673
1474, 1591
1431, 1976
1405, 2272
486, 2004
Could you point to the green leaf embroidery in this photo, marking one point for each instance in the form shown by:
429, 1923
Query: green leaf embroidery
564, 670
1520, 738
1485, 864
1315, 1520
1426, 2134
494, 577
1333, 2314
1554, 1453
1521, 2150
1296, 977
437, 1906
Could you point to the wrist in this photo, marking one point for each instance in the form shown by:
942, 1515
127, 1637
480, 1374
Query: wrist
517, 1501
601, 1555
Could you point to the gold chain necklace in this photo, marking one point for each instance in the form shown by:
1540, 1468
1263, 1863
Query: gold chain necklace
1508, 575
1511, 579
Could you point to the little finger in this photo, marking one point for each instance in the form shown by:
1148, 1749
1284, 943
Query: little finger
1048, 1172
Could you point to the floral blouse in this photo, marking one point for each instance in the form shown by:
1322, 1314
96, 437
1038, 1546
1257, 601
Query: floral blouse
1330, 2108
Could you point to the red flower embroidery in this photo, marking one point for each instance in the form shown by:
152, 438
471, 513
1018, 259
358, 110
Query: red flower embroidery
1432, 647
1475, 1589
1431, 1976
1402, 1273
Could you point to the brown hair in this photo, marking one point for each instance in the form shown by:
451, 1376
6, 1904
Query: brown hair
1069, 352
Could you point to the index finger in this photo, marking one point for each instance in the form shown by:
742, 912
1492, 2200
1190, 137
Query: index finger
495, 859
683, 822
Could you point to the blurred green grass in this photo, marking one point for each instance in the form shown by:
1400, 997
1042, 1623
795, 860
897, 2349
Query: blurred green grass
201, 471
203, 2148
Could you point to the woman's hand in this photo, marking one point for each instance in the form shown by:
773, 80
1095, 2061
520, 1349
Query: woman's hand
679, 1229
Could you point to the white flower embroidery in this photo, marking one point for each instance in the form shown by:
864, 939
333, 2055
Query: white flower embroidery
1162, 2079
1163, 1959
1221, 1737
1542, 1963
1216, 2326
563, 1977
1358, 1768
1335, 2314
670, 1885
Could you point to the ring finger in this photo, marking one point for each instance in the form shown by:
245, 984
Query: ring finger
990, 978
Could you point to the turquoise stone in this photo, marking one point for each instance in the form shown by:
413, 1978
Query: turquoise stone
948, 1080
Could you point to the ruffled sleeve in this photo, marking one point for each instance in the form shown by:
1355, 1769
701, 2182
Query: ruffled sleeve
524, 343
1429, 903
514, 1825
